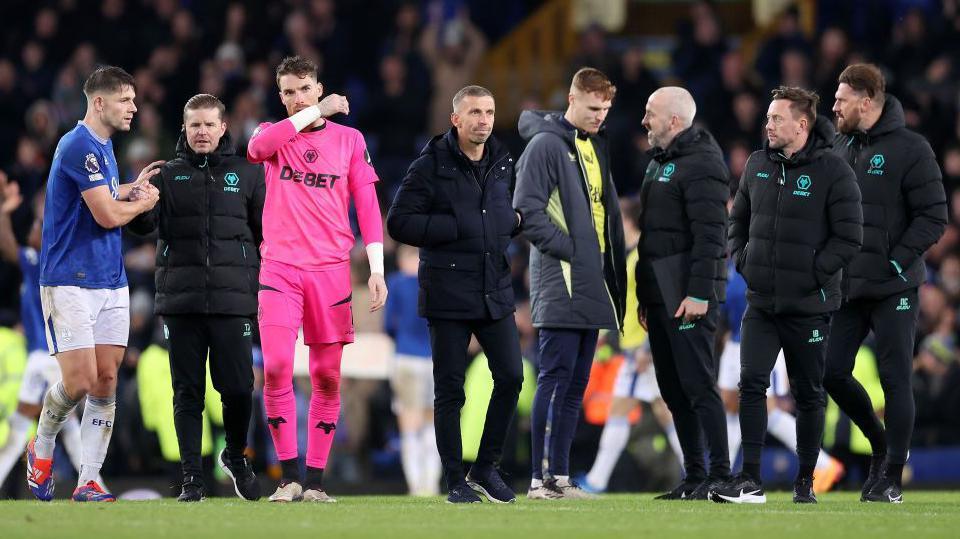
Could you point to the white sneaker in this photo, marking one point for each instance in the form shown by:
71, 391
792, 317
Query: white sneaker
570, 490
316, 495
290, 492
543, 493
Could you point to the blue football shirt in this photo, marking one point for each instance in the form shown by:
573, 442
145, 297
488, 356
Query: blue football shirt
76, 251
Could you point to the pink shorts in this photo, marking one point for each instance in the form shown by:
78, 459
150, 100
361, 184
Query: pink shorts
319, 301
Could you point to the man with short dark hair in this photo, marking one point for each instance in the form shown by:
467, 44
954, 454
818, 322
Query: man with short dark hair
578, 280
314, 168
209, 221
904, 213
795, 224
83, 285
455, 204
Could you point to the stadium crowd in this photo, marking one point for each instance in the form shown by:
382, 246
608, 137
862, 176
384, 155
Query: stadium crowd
399, 87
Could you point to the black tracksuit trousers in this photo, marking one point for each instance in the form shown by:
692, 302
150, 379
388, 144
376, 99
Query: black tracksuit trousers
686, 363
229, 342
803, 339
894, 323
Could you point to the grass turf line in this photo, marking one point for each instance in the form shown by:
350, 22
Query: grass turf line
924, 514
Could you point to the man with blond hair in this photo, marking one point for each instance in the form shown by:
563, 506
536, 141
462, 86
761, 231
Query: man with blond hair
568, 203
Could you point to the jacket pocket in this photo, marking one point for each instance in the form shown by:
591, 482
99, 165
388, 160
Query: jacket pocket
742, 258
160, 280
248, 257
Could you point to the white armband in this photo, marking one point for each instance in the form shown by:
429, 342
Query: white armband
305, 117
375, 257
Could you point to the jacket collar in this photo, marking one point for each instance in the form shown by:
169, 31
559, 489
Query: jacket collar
224, 149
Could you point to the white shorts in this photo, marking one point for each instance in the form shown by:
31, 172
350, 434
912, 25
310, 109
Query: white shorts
77, 318
42, 372
729, 376
412, 383
633, 385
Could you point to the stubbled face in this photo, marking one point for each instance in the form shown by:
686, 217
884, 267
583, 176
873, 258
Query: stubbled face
848, 107
298, 93
587, 111
783, 126
657, 122
116, 109
474, 118
204, 128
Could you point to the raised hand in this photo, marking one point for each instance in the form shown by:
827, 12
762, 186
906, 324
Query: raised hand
333, 104
10, 197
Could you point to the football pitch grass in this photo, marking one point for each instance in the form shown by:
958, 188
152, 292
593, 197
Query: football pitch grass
924, 514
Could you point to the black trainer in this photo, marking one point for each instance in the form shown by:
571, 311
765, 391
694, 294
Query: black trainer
681, 491
702, 491
462, 493
192, 490
489, 483
741, 488
885, 491
803, 491
241, 473
873, 476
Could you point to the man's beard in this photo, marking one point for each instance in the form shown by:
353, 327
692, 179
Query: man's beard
847, 124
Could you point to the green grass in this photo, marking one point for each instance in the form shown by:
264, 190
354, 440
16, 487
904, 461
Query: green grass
925, 514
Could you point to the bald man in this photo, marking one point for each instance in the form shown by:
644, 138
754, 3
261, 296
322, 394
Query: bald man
681, 280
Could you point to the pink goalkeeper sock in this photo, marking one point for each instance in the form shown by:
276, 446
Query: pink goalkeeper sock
281, 407
324, 401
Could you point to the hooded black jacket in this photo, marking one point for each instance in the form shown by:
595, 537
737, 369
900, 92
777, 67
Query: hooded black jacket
795, 224
209, 218
571, 284
684, 203
463, 225
904, 205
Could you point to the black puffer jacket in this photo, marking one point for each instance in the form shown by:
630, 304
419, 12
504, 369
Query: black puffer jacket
904, 205
684, 202
572, 285
209, 219
795, 224
463, 226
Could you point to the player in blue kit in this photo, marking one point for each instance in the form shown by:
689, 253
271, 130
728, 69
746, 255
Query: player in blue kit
42, 370
83, 286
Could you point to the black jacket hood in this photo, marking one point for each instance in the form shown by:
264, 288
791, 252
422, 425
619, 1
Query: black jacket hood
693, 140
224, 149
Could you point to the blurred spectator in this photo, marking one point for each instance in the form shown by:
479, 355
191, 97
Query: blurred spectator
36, 78
910, 50
393, 121
789, 36
698, 59
634, 84
831, 61
43, 125
452, 50
594, 52
11, 107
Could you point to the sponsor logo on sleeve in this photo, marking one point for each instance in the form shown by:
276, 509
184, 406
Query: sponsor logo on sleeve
91, 164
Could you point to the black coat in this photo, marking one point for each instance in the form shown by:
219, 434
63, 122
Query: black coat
904, 205
684, 202
463, 225
209, 219
796, 223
